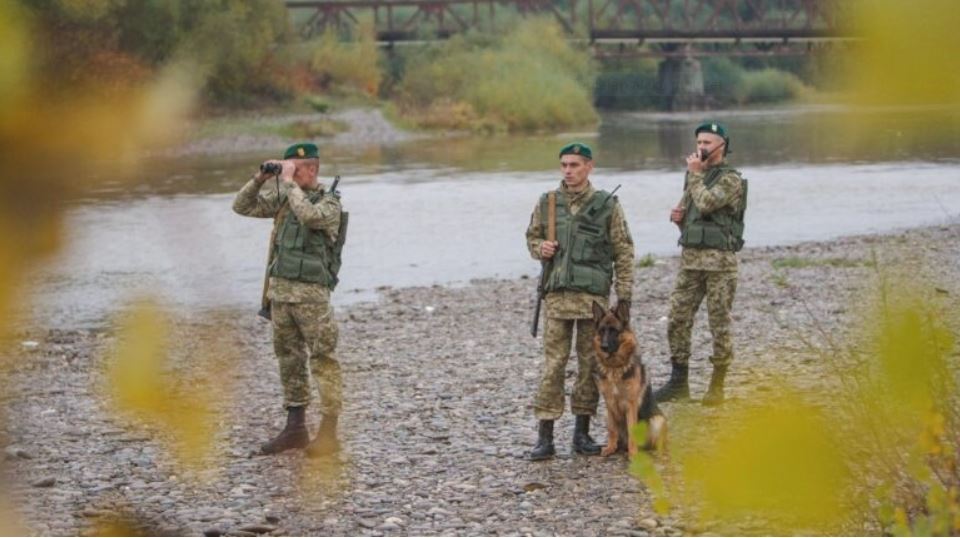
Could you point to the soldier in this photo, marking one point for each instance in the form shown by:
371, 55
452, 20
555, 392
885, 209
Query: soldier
710, 218
592, 243
305, 259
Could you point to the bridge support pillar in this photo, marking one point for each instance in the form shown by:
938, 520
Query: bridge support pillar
681, 83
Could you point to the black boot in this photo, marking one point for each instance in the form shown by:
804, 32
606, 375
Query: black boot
582, 442
677, 388
294, 434
325, 444
544, 449
714, 395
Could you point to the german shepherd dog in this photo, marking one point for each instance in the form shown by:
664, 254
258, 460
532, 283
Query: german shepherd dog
623, 381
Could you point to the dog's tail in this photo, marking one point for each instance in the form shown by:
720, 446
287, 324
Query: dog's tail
648, 405
657, 433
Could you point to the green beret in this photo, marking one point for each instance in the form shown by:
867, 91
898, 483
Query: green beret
714, 128
577, 148
304, 150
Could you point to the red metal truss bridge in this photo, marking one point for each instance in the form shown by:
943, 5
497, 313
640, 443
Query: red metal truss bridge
614, 27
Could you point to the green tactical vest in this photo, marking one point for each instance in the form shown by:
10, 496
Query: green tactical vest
722, 229
585, 260
306, 255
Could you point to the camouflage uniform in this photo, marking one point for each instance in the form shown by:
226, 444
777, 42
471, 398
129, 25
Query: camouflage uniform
304, 328
705, 272
569, 311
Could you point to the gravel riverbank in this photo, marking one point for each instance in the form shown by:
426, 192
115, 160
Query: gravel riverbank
439, 384
364, 127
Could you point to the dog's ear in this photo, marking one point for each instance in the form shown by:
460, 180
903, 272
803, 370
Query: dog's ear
598, 312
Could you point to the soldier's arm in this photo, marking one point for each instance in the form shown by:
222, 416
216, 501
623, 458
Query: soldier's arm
623, 253
323, 215
535, 233
725, 192
250, 203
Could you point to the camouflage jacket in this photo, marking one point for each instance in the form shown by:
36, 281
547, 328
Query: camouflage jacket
323, 215
724, 193
568, 304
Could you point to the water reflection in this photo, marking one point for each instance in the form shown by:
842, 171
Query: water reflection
623, 142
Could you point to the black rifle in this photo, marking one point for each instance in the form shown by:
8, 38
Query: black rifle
541, 293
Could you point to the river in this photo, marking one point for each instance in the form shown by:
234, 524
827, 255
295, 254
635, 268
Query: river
443, 211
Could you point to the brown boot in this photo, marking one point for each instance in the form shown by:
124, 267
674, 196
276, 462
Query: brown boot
325, 443
294, 434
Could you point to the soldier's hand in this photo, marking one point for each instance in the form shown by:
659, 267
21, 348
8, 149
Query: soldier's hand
694, 164
676, 215
288, 169
548, 249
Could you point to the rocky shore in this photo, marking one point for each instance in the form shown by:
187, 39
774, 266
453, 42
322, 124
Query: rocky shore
364, 127
439, 384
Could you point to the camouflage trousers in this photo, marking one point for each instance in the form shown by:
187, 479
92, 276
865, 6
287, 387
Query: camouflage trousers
557, 336
304, 339
692, 286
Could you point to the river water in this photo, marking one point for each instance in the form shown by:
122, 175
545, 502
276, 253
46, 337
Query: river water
448, 210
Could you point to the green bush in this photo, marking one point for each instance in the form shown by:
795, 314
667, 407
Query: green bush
771, 86
722, 81
97, 40
346, 64
529, 79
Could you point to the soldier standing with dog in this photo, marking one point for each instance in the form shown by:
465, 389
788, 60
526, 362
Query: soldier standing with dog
309, 230
591, 252
710, 218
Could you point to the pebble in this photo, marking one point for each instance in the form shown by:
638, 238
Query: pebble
44, 482
15, 452
367, 523
258, 528
647, 524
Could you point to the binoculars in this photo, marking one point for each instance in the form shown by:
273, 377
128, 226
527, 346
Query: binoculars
271, 168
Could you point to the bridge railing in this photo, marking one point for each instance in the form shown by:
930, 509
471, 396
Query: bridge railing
594, 20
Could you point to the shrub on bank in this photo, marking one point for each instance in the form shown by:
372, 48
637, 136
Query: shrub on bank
770, 86
529, 79
347, 64
722, 81
109, 44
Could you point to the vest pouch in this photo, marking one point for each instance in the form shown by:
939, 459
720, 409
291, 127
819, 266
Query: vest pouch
713, 237
693, 236
589, 245
314, 270
287, 266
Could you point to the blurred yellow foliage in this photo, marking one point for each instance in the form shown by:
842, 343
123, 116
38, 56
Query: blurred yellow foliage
905, 55
179, 400
774, 468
